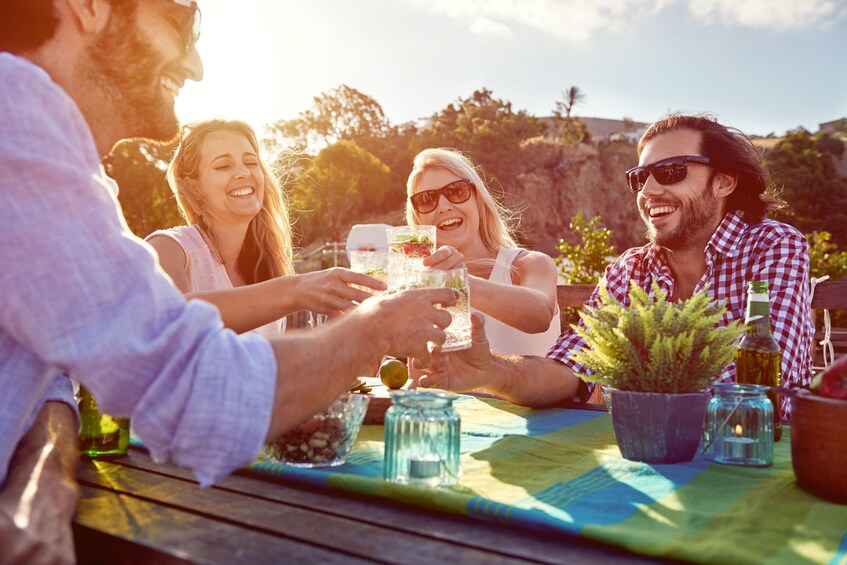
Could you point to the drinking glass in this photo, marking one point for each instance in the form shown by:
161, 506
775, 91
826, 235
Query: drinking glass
459, 330
371, 263
407, 248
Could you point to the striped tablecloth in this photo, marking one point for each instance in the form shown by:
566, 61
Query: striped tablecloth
560, 470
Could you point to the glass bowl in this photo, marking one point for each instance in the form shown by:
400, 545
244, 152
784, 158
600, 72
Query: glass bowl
325, 439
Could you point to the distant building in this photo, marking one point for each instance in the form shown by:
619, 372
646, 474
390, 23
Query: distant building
834, 126
600, 128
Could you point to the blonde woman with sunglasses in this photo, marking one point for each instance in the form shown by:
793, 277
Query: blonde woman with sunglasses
236, 250
514, 289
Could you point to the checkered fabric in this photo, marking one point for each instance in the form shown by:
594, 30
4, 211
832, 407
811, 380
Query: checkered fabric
736, 254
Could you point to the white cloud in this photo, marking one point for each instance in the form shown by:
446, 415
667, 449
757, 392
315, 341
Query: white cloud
485, 26
572, 20
778, 15
578, 20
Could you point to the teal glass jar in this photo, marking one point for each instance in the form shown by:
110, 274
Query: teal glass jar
739, 426
422, 439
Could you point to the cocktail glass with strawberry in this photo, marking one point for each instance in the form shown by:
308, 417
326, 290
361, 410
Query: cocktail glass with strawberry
407, 248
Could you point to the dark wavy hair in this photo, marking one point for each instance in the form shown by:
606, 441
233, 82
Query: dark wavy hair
28, 24
731, 152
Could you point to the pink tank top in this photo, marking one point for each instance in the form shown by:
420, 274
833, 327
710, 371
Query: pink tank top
205, 272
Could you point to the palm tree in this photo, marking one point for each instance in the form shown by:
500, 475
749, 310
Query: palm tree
572, 96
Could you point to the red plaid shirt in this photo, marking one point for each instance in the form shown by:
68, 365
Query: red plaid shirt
736, 254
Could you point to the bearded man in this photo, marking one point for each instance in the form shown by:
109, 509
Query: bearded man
83, 296
702, 190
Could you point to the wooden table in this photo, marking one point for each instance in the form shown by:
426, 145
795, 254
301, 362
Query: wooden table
133, 510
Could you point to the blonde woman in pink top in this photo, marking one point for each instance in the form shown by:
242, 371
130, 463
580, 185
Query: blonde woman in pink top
236, 251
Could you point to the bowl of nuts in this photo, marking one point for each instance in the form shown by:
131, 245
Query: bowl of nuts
325, 439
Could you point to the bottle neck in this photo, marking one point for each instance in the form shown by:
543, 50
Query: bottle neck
758, 318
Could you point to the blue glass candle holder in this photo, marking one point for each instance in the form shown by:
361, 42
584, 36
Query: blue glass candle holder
739, 426
422, 439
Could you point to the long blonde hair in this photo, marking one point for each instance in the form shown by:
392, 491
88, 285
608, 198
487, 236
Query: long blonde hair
267, 250
494, 218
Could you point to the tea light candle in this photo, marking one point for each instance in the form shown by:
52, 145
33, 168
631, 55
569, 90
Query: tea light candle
424, 468
738, 447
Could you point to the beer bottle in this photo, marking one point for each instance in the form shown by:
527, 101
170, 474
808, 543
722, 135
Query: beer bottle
100, 435
758, 358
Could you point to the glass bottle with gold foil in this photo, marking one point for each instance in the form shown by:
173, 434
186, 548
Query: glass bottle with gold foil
758, 358
100, 435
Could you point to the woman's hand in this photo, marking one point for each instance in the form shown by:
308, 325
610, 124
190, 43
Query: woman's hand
329, 291
445, 258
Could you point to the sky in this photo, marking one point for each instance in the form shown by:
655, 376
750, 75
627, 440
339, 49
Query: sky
760, 65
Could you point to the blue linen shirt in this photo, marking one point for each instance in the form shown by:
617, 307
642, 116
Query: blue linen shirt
82, 295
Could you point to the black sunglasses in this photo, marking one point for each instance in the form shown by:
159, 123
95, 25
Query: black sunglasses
666, 171
456, 192
190, 32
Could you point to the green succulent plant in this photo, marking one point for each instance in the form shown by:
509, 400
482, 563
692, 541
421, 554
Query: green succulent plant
656, 345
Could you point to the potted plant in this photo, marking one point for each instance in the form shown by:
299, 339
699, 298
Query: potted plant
659, 358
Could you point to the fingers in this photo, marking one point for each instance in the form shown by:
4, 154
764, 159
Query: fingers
361, 279
445, 258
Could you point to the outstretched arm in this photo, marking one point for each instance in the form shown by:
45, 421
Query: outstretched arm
533, 287
526, 380
248, 307
38, 500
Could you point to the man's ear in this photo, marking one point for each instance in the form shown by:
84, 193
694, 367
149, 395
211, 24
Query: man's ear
723, 184
89, 16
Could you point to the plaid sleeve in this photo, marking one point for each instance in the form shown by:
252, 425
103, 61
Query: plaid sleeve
616, 278
785, 266
783, 261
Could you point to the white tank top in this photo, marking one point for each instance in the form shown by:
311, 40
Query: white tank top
205, 272
506, 339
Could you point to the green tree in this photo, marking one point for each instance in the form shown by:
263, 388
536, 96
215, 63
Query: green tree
485, 128
584, 261
138, 166
345, 183
341, 114
570, 98
816, 193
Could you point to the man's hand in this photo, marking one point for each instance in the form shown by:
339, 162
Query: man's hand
460, 370
38, 500
410, 320
330, 292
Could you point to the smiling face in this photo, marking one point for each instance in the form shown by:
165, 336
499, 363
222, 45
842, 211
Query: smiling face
139, 61
230, 179
685, 214
458, 224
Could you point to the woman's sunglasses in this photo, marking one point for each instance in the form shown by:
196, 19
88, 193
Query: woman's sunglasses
666, 171
456, 192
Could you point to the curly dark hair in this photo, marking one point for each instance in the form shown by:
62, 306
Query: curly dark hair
27, 24
731, 152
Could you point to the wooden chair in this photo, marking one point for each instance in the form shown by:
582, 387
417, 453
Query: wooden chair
829, 295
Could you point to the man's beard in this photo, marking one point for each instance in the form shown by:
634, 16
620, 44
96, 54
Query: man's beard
128, 69
696, 224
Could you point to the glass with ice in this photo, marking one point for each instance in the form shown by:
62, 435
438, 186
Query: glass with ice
459, 330
371, 263
407, 248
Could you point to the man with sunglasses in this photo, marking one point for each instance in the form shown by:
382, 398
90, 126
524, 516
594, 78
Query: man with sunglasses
702, 191
84, 296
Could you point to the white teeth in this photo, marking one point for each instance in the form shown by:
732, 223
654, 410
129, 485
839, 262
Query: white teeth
170, 85
661, 210
450, 222
241, 192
